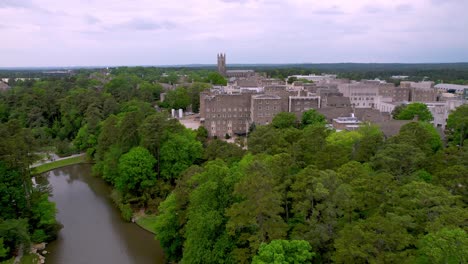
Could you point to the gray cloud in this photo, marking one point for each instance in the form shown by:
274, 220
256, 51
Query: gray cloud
92, 20
404, 8
15, 4
250, 31
141, 24
373, 9
333, 10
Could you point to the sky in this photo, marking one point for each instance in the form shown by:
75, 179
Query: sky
37, 33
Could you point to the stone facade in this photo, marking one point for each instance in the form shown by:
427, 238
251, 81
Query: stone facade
225, 113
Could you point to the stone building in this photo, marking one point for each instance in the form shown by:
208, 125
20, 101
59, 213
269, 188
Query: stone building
264, 107
222, 69
222, 64
300, 104
224, 114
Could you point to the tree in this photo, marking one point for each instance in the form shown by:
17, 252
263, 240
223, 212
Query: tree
256, 217
216, 79
284, 252
284, 120
136, 171
415, 109
378, 239
12, 193
371, 140
3, 250
312, 117
15, 233
457, 125
167, 227
218, 149
455, 179
178, 153
448, 245
206, 238
177, 99
421, 135
398, 159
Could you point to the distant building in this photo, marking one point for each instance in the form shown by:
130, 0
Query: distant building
445, 87
4, 86
346, 123
222, 69
222, 64
314, 78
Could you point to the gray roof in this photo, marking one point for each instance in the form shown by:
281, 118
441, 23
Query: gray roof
4, 86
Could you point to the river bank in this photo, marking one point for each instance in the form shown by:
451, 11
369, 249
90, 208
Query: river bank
93, 230
58, 163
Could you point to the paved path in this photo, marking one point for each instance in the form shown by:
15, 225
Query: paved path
49, 161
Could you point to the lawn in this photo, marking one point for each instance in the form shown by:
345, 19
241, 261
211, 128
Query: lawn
29, 259
147, 222
57, 164
26, 259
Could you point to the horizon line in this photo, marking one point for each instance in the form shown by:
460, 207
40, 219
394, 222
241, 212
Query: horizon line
214, 65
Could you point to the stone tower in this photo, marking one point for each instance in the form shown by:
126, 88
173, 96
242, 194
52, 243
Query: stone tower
222, 64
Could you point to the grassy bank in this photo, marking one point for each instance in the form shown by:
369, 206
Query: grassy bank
147, 222
26, 259
57, 164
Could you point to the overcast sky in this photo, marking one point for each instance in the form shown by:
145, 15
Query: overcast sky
162, 32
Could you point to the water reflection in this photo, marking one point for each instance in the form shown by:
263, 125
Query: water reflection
93, 230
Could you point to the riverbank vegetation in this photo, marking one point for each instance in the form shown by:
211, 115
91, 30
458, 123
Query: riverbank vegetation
299, 190
58, 164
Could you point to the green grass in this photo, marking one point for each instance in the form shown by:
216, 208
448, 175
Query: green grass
147, 222
58, 164
26, 259
10, 261
29, 259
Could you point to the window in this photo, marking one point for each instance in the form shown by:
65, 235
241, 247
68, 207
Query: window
267, 102
259, 108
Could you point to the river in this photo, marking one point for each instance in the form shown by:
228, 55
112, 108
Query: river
93, 231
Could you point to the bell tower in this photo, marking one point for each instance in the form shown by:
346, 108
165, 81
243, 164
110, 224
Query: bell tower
222, 64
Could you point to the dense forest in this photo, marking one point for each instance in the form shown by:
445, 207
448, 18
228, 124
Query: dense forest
294, 192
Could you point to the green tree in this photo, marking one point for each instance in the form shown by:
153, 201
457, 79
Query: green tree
369, 143
377, 239
312, 117
256, 217
218, 149
399, 159
216, 79
136, 172
448, 245
206, 238
421, 135
178, 153
284, 252
3, 250
455, 179
167, 228
318, 203
177, 99
415, 109
457, 125
284, 120
15, 233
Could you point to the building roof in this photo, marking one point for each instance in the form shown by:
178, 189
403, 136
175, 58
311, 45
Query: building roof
392, 127
265, 96
239, 71
447, 86
4, 86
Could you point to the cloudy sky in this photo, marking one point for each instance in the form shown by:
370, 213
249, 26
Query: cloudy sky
166, 32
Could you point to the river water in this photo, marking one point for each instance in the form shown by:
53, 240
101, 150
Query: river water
93, 231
